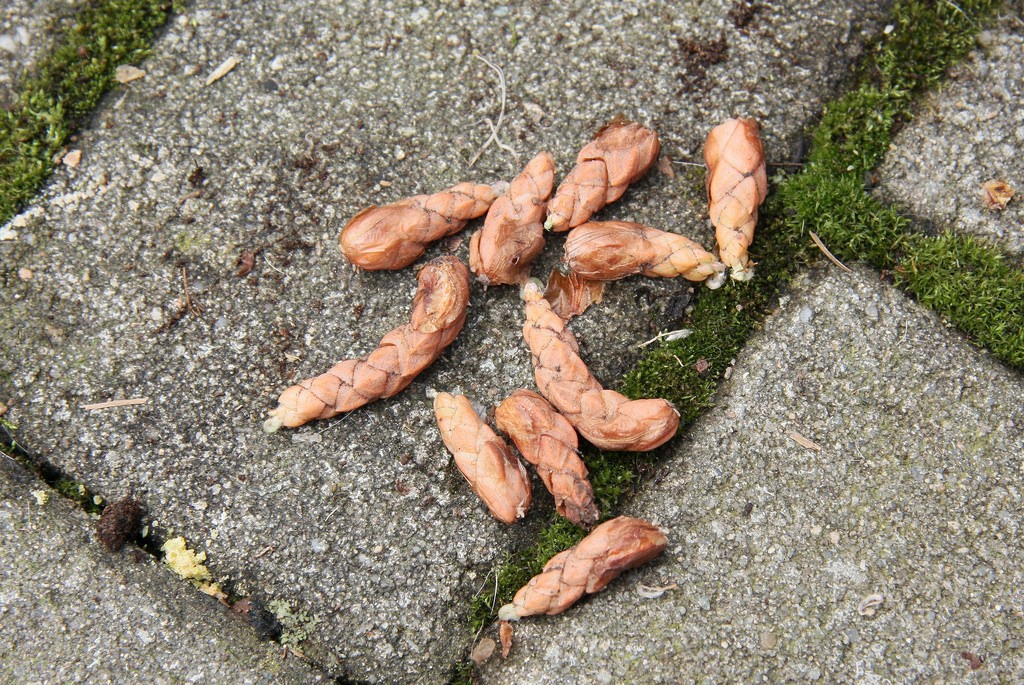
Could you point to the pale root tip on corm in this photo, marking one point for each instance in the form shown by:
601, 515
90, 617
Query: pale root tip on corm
717, 281
508, 613
744, 274
531, 289
272, 424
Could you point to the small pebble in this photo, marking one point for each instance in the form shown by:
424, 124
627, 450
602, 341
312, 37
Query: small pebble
25, 274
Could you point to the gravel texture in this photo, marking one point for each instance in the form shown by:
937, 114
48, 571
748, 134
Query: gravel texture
776, 549
71, 612
27, 30
969, 132
361, 523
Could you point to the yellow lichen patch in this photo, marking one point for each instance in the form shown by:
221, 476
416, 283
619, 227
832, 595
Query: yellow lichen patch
184, 561
42, 496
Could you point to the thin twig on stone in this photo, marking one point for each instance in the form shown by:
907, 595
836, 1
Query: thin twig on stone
825, 251
115, 403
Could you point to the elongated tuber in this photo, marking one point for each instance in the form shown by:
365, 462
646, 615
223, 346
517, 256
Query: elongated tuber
611, 548
492, 470
737, 185
609, 250
395, 235
438, 313
513, 233
604, 417
548, 441
620, 154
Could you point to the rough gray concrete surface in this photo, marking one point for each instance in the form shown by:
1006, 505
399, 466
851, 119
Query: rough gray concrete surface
969, 132
27, 31
71, 612
361, 522
913, 493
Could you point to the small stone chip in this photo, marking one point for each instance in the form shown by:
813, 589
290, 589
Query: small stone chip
869, 604
25, 274
126, 73
221, 71
72, 159
483, 651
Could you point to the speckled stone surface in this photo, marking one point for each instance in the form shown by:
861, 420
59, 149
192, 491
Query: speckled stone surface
969, 132
361, 522
71, 612
912, 494
28, 29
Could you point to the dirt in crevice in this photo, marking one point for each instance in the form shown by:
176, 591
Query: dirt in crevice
695, 58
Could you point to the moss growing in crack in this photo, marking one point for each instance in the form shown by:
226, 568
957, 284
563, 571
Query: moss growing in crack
77, 493
974, 286
65, 89
926, 39
66, 487
505, 579
852, 223
963, 278
687, 371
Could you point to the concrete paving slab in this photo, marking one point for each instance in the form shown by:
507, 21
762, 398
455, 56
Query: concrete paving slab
912, 495
71, 612
27, 31
361, 522
968, 133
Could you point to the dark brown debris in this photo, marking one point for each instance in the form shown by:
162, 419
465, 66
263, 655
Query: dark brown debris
973, 660
258, 617
118, 523
697, 56
743, 13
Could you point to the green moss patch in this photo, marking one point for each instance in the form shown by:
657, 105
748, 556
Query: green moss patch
65, 89
974, 286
